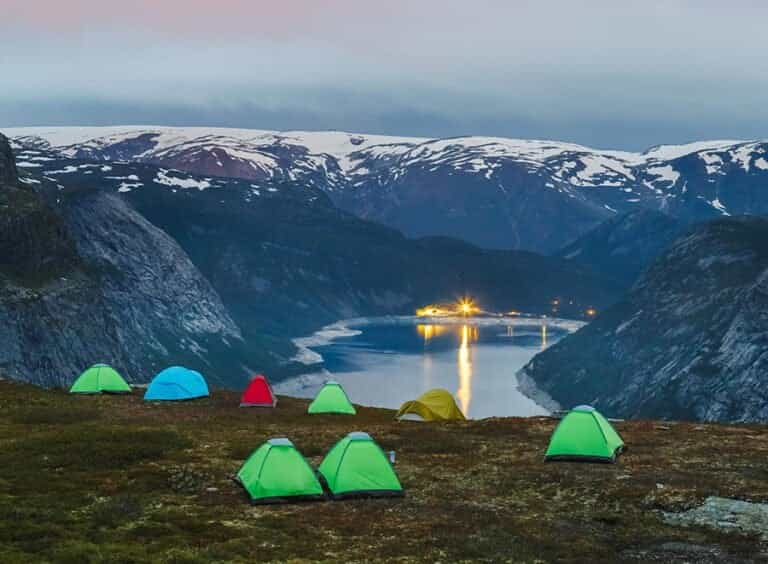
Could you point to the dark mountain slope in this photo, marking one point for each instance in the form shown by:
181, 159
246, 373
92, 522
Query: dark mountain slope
286, 261
155, 298
516, 211
89, 280
689, 341
623, 246
34, 247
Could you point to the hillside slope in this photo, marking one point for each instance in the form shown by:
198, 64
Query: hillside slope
623, 246
87, 279
689, 340
135, 482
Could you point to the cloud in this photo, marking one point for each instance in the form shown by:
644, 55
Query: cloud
548, 68
186, 18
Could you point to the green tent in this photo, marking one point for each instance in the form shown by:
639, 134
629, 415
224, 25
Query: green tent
100, 378
586, 435
357, 467
276, 473
331, 399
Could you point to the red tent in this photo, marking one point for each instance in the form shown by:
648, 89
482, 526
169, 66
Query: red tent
258, 394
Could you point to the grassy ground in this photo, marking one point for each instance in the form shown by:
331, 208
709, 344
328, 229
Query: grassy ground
112, 479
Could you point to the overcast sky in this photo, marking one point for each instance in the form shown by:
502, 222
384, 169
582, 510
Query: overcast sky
607, 73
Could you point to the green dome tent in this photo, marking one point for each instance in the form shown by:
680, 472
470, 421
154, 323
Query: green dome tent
357, 467
584, 435
277, 473
100, 378
331, 399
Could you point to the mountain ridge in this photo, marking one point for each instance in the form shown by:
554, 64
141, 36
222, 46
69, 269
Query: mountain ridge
494, 192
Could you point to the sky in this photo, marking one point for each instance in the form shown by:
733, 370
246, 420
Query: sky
611, 74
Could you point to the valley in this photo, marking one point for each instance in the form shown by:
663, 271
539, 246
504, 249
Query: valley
223, 273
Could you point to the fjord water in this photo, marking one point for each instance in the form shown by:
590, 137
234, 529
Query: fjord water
385, 365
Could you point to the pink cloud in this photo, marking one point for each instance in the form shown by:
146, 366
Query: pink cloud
197, 18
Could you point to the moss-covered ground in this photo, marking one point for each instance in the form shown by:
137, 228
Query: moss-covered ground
114, 479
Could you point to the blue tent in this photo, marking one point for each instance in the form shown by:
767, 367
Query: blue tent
177, 383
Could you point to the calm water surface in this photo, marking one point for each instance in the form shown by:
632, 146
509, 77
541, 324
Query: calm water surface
386, 365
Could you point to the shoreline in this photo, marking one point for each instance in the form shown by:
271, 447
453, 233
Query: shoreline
317, 373
350, 328
527, 386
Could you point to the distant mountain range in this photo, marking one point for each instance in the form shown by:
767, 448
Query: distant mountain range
689, 341
494, 192
141, 266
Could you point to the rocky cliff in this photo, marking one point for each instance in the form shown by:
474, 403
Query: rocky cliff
689, 341
89, 280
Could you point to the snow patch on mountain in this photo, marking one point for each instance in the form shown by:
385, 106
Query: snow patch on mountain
164, 178
665, 173
718, 205
672, 152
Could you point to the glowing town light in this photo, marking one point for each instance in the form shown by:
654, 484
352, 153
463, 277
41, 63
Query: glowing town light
466, 307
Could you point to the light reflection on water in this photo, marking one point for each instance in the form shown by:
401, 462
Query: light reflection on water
464, 393
384, 366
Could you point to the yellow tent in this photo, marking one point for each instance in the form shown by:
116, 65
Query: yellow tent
434, 405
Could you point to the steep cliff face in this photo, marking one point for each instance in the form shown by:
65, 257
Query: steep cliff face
93, 281
8, 174
689, 341
34, 246
159, 303
48, 304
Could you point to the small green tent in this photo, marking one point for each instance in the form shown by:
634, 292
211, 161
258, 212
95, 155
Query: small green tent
357, 467
100, 378
331, 399
277, 473
584, 434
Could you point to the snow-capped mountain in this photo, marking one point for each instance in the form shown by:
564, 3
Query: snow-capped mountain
495, 192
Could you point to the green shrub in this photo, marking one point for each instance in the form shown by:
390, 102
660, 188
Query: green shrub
53, 415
